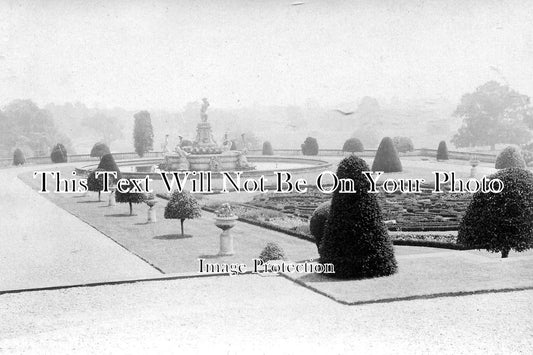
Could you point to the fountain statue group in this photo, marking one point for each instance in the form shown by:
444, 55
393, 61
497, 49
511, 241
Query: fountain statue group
205, 154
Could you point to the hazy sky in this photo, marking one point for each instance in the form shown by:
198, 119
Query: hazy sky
158, 54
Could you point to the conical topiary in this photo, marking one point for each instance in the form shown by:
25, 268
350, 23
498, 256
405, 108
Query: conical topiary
356, 240
442, 151
96, 184
510, 157
353, 145
267, 148
387, 158
499, 222
59, 154
99, 149
107, 163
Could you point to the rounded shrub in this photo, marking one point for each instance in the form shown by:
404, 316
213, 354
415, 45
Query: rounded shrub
318, 220
387, 158
18, 157
403, 144
99, 149
267, 148
353, 145
499, 222
130, 196
356, 240
442, 151
272, 251
510, 157
182, 206
59, 154
310, 146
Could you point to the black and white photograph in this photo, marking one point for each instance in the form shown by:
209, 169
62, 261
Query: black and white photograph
266, 177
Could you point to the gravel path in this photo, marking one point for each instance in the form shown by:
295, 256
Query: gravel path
43, 245
253, 314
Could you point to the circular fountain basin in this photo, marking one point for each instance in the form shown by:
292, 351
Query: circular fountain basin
140, 168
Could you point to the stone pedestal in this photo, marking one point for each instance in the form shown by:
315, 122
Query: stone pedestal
226, 238
112, 201
151, 211
473, 172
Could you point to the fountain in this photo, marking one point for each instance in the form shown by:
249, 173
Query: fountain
205, 154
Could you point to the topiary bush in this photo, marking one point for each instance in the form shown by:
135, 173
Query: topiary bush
99, 149
129, 196
310, 146
442, 151
95, 184
59, 154
107, 163
272, 251
510, 157
182, 206
353, 145
499, 222
18, 157
356, 240
267, 148
387, 158
318, 221
403, 144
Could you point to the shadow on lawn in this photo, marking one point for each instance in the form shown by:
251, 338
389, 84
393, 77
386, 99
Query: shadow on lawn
90, 201
120, 215
172, 236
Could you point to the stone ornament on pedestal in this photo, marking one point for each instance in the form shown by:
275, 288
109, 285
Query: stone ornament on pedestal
225, 219
151, 211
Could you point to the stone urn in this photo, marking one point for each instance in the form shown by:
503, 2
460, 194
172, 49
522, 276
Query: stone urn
150, 202
225, 219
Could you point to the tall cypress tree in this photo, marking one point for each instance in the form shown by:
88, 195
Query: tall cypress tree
143, 133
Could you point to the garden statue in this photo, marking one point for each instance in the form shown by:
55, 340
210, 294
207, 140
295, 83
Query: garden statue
214, 164
242, 161
203, 110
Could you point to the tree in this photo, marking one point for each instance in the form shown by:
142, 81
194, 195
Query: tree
442, 151
143, 133
499, 222
99, 149
356, 240
493, 114
96, 184
403, 144
353, 145
59, 154
510, 157
182, 206
387, 158
18, 157
267, 148
310, 146
109, 128
129, 196
23, 123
